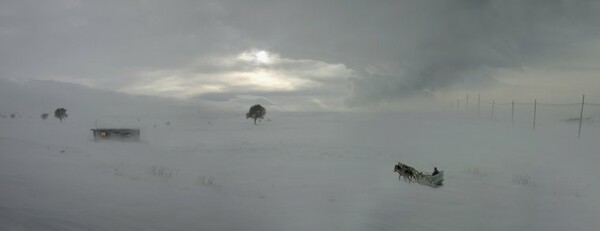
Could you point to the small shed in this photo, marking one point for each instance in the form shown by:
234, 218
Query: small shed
119, 134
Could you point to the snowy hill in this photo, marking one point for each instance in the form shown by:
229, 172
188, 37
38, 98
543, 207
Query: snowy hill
36, 96
300, 171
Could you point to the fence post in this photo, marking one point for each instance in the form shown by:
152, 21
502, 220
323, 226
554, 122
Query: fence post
478, 103
512, 114
534, 110
493, 104
581, 116
457, 105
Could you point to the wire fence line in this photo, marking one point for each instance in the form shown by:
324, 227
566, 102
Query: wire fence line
573, 109
523, 103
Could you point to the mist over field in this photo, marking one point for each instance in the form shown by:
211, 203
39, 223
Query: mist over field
212, 169
150, 115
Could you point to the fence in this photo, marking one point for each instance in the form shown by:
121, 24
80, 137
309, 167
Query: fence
574, 110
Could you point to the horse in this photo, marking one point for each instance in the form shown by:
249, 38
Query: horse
408, 173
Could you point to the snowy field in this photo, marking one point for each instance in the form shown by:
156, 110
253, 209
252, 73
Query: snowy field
299, 171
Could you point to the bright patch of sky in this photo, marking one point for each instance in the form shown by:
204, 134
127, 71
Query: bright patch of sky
253, 72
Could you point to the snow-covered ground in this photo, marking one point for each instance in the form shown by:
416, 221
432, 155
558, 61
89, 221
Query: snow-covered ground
299, 171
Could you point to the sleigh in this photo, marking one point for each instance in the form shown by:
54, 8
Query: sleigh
436, 180
411, 174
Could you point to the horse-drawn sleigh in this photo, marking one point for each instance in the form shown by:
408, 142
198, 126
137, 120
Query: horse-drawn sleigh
410, 174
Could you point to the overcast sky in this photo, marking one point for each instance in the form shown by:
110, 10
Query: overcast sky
308, 54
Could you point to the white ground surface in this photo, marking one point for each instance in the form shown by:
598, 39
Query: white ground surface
300, 171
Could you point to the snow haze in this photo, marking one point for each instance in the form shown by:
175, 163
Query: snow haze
490, 92
211, 169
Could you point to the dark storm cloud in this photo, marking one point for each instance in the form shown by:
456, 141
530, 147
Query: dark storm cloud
396, 49
402, 48
470, 36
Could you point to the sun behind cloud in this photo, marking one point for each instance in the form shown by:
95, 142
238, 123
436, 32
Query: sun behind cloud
263, 57
259, 57
252, 72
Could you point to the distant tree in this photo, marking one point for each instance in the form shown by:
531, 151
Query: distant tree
45, 116
256, 112
61, 114
13, 115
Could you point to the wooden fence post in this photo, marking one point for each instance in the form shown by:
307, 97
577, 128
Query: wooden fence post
493, 104
478, 103
581, 116
534, 111
512, 114
457, 105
